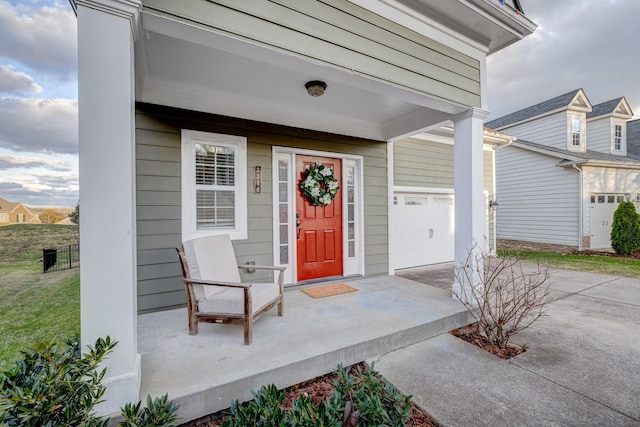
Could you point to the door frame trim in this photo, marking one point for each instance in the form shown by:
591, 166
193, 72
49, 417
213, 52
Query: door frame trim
350, 266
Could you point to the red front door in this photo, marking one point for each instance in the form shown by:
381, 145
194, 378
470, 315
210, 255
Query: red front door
319, 233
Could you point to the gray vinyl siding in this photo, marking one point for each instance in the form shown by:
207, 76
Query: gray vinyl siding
539, 202
340, 35
158, 153
550, 130
599, 135
420, 163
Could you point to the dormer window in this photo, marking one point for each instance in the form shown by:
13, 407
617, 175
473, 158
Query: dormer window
617, 137
576, 131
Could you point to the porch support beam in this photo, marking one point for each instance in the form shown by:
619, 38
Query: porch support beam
470, 209
107, 190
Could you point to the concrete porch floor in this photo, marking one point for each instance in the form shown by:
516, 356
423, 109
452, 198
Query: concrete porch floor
206, 372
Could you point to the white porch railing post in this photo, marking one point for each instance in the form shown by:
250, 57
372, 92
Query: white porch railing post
107, 190
470, 210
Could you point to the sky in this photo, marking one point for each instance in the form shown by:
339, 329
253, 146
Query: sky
588, 44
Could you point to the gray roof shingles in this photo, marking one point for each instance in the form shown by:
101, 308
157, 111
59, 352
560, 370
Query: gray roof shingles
588, 155
533, 111
603, 108
633, 138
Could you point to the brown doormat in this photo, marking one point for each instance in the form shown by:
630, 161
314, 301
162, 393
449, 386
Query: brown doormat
328, 290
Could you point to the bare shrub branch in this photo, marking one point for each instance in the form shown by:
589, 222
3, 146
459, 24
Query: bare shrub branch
506, 297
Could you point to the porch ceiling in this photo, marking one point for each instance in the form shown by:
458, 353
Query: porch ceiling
186, 66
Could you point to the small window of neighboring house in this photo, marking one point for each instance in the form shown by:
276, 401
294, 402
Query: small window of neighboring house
214, 185
4, 217
576, 131
617, 137
20, 218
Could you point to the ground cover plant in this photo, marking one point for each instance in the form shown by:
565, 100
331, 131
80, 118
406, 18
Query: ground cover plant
349, 396
35, 306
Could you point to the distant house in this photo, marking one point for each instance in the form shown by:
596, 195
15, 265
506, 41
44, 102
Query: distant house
16, 213
65, 221
633, 139
561, 181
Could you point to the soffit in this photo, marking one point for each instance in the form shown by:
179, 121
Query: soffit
182, 65
486, 22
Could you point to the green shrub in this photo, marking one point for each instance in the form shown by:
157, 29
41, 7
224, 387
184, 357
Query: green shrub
159, 412
378, 401
361, 390
625, 230
55, 386
263, 411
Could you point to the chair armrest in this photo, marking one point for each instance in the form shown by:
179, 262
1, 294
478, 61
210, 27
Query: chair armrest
218, 283
281, 269
262, 267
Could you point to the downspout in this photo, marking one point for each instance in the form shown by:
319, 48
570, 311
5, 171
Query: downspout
581, 208
509, 140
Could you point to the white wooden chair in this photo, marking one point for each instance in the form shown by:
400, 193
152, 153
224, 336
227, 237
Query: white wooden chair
215, 293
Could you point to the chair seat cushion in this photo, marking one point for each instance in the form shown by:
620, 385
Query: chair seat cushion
231, 300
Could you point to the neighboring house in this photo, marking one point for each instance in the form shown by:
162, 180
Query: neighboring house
560, 182
422, 223
16, 213
65, 221
633, 141
196, 119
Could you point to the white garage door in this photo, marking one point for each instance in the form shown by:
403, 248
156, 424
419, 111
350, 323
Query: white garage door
422, 229
601, 212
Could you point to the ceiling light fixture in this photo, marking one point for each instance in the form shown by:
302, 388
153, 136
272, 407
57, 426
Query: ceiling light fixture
315, 87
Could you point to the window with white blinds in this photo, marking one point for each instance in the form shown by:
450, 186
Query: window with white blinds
214, 184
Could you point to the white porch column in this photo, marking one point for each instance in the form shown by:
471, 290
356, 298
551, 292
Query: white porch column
107, 190
470, 210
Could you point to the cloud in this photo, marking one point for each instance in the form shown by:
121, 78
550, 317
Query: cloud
39, 125
10, 161
8, 186
16, 82
41, 38
40, 189
15, 192
589, 44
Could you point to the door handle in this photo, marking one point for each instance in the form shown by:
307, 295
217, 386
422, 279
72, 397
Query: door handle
298, 226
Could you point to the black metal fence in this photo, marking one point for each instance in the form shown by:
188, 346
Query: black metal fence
60, 258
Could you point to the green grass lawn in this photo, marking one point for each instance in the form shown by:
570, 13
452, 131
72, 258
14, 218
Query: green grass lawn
607, 264
35, 306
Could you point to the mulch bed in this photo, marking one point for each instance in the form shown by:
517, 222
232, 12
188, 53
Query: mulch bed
318, 389
471, 334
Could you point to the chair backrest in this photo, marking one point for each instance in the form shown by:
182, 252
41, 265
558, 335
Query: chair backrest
212, 258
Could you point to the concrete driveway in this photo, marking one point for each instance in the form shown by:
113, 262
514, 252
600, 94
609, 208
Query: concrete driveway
582, 367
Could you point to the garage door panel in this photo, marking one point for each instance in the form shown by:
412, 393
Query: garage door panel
423, 229
601, 210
